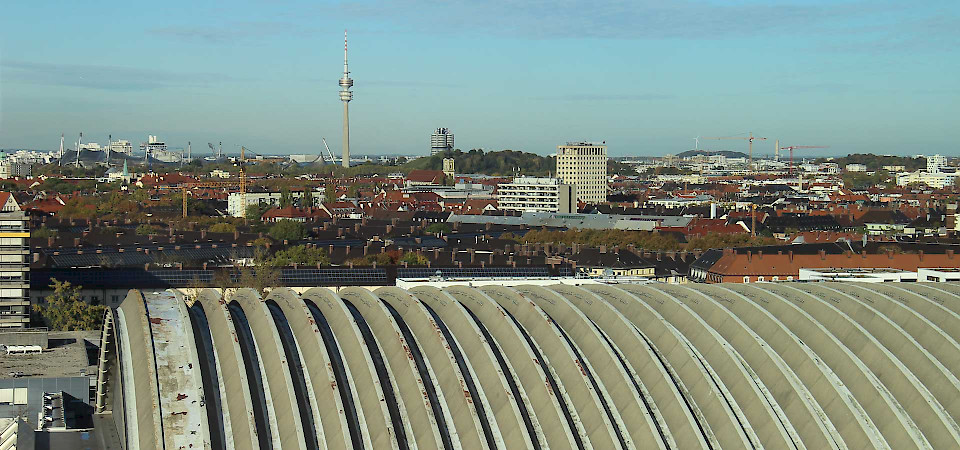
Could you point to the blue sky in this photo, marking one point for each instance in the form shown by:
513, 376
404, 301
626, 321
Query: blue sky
646, 76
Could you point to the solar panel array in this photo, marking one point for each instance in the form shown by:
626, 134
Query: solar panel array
150, 279
134, 258
475, 272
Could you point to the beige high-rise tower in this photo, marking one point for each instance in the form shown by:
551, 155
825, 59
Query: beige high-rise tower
584, 165
345, 96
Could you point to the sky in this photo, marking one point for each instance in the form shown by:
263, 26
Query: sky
645, 76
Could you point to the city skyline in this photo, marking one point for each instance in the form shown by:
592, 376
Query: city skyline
646, 78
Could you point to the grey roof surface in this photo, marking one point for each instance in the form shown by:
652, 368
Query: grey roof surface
764, 365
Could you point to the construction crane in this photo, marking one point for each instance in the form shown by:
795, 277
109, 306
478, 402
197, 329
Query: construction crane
749, 138
209, 184
799, 146
241, 183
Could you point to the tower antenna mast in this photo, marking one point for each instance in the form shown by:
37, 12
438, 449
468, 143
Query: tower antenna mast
345, 96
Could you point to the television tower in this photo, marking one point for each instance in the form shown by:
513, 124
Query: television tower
345, 96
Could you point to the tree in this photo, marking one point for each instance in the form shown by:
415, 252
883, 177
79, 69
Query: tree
300, 255
414, 259
145, 229
65, 310
439, 228
307, 200
288, 230
286, 198
329, 193
222, 228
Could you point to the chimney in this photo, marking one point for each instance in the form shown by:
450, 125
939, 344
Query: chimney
236, 235
920, 254
203, 235
603, 249
366, 249
749, 255
52, 240
76, 242
823, 255
950, 254
473, 256
760, 254
330, 250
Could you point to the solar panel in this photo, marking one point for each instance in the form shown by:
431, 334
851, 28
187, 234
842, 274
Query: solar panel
474, 272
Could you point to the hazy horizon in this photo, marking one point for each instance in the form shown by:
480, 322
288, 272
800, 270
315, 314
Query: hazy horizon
644, 76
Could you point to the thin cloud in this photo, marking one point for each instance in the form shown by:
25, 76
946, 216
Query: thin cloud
112, 78
232, 33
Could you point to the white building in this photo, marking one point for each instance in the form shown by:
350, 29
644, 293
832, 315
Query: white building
584, 165
14, 264
121, 146
894, 168
12, 168
153, 145
440, 141
856, 168
936, 180
236, 208
936, 163
534, 194
219, 173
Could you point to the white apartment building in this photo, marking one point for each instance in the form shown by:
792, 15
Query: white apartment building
13, 168
440, 141
856, 168
236, 208
936, 180
535, 194
14, 264
584, 165
936, 163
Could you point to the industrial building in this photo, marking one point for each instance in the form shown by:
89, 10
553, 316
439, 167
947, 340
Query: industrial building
584, 165
767, 365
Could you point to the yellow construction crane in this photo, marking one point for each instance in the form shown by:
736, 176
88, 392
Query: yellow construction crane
241, 183
750, 137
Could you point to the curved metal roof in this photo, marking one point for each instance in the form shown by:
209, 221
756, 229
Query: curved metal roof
776, 365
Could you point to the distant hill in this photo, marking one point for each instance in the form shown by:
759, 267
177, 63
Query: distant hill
875, 162
502, 163
727, 153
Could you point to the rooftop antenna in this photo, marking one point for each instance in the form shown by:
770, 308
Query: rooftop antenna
345, 96
78, 149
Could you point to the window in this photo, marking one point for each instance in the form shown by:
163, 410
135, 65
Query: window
746, 279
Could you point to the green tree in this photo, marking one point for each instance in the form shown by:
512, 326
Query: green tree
439, 228
414, 259
329, 193
286, 198
145, 229
300, 255
65, 310
222, 227
307, 200
288, 230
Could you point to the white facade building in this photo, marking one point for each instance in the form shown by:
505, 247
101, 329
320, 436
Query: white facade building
14, 264
936, 180
936, 163
534, 194
12, 168
121, 146
236, 208
440, 141
856, 168
584, 165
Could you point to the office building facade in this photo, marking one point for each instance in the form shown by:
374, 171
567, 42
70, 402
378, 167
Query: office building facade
440, 141
584, 165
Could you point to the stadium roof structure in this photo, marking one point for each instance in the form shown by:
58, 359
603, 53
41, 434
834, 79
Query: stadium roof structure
775, 365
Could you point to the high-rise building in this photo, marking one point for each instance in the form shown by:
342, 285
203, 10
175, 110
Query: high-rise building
14, 264
345, 96
121, 146
584, 165
534, 194
441, 141
936, 163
